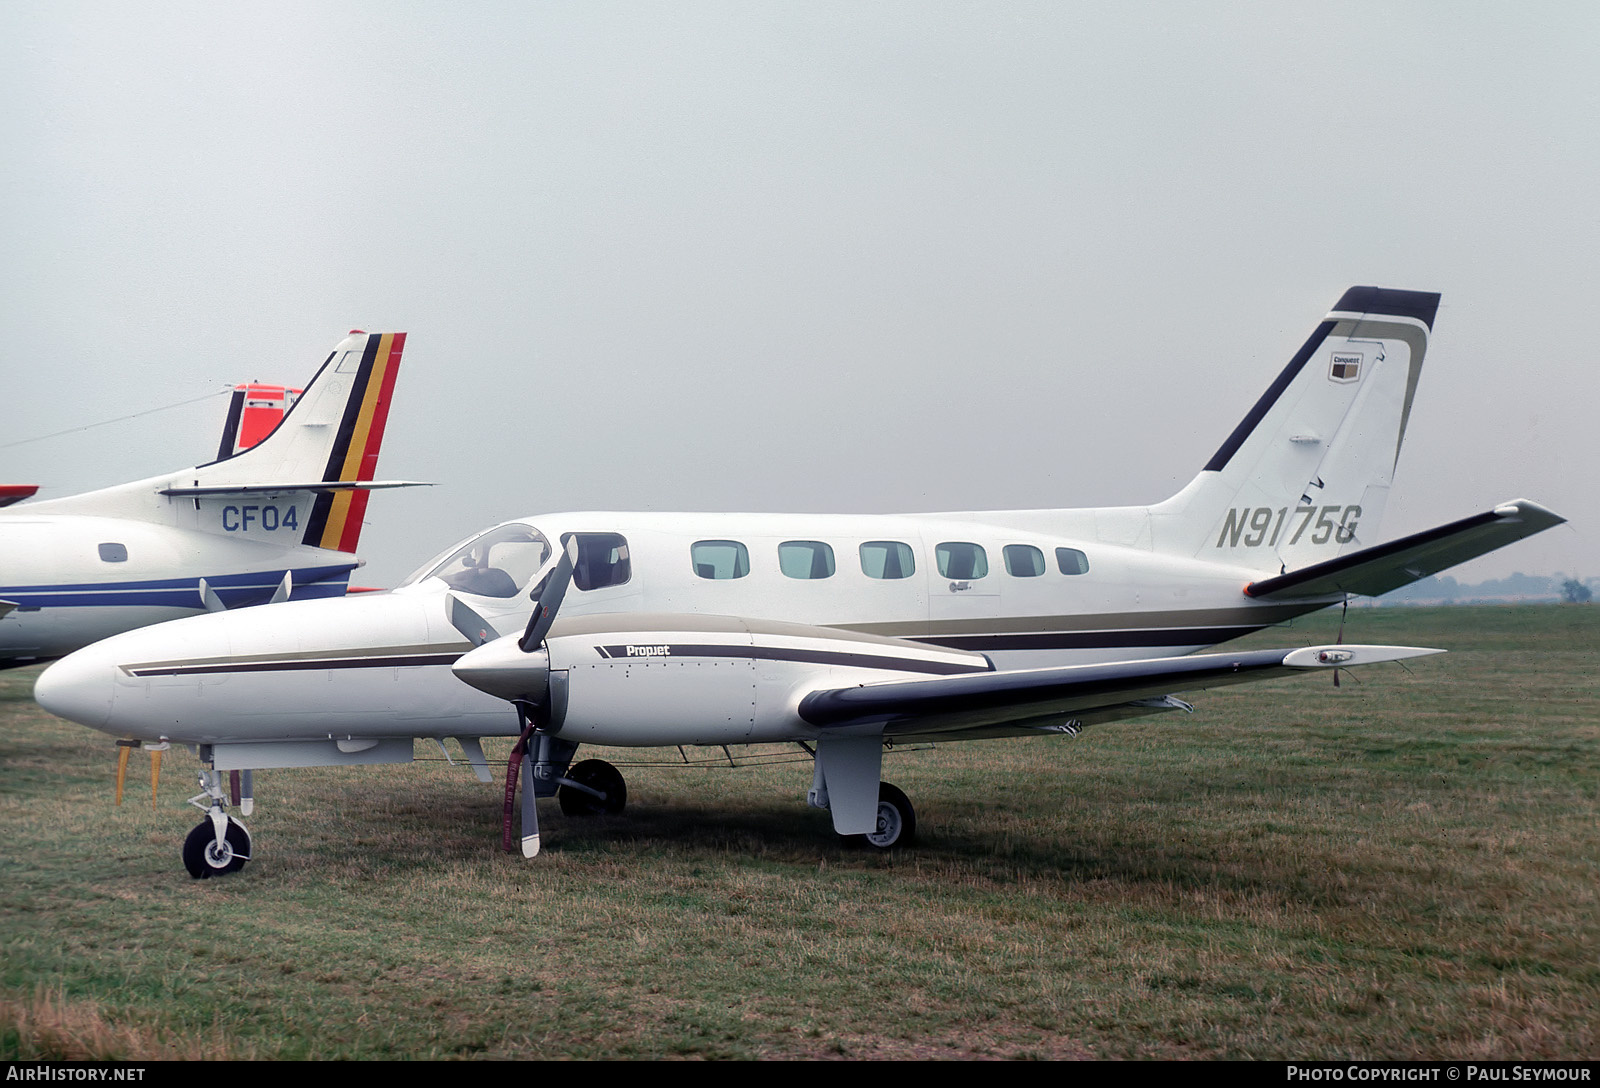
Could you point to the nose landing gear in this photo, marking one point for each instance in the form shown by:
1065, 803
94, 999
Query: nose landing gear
220, 843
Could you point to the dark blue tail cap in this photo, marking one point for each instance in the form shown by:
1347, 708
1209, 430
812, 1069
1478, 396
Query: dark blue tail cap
1421, 305
1382, 301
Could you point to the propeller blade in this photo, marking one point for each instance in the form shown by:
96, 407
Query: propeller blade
555, 588
473, 627
513, 768
530, 807
522, 757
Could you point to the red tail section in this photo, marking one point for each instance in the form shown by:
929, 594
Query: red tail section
254, 412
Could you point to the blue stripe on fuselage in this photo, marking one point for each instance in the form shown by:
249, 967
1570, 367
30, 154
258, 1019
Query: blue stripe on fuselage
234, 590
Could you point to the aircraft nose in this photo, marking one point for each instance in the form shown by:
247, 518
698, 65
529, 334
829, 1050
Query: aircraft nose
78, 688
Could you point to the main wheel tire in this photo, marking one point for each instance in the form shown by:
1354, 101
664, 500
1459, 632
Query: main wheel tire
599, 775
897, 821
203, 857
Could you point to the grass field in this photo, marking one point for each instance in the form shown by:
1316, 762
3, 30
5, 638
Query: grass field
1405, 867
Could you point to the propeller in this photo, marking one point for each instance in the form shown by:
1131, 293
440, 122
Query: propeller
518, 671
522, 761
464, 618
550, 597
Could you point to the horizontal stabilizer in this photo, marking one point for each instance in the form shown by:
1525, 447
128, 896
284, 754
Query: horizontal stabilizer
1374, 571
10, 493
314, 485
1072, 694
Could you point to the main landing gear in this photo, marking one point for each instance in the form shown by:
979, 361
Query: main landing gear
897, 822
866, 811
592, 788
220, 843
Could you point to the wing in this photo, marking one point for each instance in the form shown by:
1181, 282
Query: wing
1373, 571
1063, 699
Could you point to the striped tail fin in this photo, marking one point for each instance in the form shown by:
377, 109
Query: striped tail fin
305, 483
336, 518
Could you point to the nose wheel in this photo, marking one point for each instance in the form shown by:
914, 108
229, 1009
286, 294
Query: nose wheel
204, 856
220, 843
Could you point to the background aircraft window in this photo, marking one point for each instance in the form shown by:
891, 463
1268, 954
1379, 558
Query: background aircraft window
1024, 561
114, 553
496, 564
961, 560
602, 561
805, 559
720, 559
1072, 561
887, 559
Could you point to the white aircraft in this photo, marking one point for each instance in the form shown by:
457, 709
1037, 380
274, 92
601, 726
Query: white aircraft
277, 521
842, 634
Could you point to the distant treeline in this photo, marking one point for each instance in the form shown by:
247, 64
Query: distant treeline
1518, 587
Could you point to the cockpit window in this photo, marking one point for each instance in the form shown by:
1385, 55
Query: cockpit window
602, 561
497, 564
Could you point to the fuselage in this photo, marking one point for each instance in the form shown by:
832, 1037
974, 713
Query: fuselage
77, 579
1024, 597
378, 666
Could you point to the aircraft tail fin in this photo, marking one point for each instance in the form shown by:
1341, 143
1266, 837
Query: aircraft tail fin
332, 434
304, 482
1306, 473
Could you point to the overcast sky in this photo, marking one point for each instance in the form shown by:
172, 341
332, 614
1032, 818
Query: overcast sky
807, 256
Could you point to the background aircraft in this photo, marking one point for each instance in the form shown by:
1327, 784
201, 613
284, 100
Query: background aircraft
276, 517
254, 411
841, 633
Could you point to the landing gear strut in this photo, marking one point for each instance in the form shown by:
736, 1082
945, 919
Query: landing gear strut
219, 844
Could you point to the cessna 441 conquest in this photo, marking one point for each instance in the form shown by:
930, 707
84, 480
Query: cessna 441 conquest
837, 633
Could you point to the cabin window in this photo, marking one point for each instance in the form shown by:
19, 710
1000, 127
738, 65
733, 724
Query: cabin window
1024, 561
496, 564
1072, 561
805, 559
114, 553
720, 559
602, 560
961, 561
887, 559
